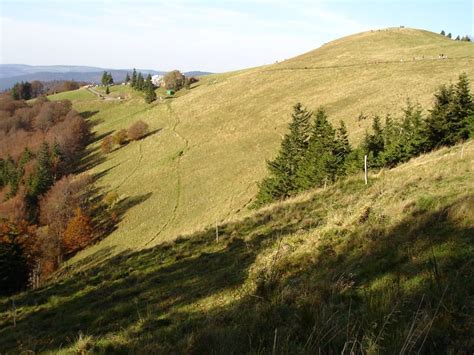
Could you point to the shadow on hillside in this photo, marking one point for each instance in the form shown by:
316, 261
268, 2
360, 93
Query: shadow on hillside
88, 114
91, 158
155, 131
148, 294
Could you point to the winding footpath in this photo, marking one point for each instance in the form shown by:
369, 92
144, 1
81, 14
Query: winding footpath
178, 173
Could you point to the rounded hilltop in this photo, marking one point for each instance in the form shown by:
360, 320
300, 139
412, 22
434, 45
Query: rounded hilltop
383, 45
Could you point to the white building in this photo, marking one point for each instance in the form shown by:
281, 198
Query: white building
157, 80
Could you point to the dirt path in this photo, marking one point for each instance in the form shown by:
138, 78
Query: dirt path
101, 96
374, 62
178, 173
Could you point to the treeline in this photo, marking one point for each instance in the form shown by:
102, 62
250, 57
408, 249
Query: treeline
146, 86
44, 209
313, 153
25, 90
465, 38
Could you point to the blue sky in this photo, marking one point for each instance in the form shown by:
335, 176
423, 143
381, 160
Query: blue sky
202, 35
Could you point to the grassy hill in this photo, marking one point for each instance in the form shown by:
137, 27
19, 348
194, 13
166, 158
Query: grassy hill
210, 143
398, 248
384, 267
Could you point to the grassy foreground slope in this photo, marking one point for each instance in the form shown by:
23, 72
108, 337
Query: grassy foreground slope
210, 143
385, 267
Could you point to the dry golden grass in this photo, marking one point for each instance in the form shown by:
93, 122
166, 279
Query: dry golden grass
204, 163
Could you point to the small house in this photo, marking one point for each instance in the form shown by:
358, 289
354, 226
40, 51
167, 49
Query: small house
157, 80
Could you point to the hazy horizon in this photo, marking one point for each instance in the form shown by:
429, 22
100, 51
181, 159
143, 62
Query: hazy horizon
202, 35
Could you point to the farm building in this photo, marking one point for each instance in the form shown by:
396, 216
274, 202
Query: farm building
157, 80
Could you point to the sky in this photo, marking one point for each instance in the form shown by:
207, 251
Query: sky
205, 35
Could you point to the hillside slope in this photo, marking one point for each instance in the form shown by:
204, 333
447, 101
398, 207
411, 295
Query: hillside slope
384, 267
210, 143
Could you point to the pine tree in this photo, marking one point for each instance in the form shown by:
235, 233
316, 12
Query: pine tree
104, 79
342, 150
450, 118
463, 112
26, 91
25, 157
107, 90
16, 92
281, 181
110, 79
127, 79
457, 38
449, 35
413, 128
374, 144
319, 164
42, 179
140, 82
150, 94
57, 157
133, 83
436, 123
443, 33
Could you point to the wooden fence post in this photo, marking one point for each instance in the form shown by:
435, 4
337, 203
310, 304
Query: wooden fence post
217, 233
365, 169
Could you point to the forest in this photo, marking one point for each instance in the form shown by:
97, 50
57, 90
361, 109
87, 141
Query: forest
45, 206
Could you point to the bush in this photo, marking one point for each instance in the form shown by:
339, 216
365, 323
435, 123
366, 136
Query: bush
137, 130
106, 145
120, 137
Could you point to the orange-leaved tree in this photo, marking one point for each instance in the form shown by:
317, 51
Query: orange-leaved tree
79, 232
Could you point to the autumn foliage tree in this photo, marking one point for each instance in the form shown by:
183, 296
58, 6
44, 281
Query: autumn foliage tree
78, 233
41, 143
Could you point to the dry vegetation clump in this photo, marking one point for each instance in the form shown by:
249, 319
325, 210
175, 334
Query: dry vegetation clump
120, 137
137, 130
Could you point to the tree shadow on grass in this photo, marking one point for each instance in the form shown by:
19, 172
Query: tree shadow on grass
159, 280
148, 296
88, 114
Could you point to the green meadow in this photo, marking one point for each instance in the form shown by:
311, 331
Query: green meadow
378, 268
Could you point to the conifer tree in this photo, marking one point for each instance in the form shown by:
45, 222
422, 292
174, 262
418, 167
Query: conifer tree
140, 82
57, 157
104, 78
457, 38
107, 90
413, 128
150, 94
127, 79
133, 83
25, 157
43, 177
373, 144
319, 164
110, 79
342, 150
443, 33
449, 35
448, 121
281, 181
462, 123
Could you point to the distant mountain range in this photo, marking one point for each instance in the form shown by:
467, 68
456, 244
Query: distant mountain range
13, 73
